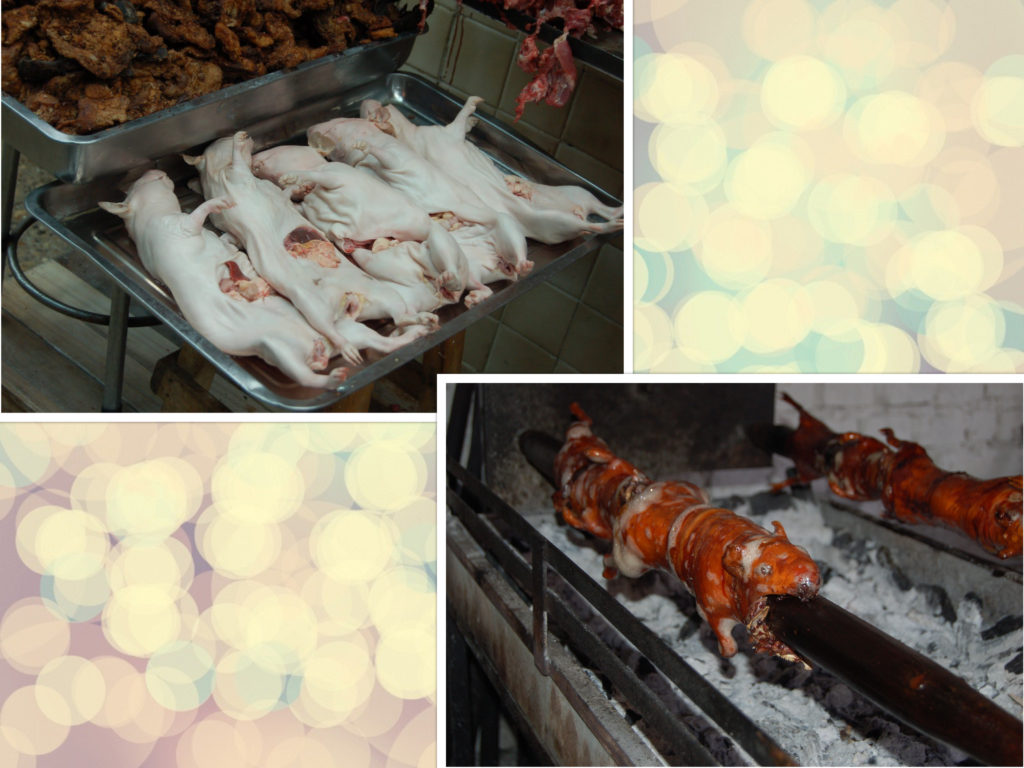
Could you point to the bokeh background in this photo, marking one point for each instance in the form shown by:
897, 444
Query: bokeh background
829, 185
218, 595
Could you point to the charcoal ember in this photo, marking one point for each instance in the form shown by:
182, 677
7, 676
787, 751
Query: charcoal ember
1016, 664
732, 502
885, 559
1004, 626
763, 503
854, 548
938, 601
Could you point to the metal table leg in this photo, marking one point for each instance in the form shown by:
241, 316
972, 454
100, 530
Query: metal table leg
9, 175
117, 340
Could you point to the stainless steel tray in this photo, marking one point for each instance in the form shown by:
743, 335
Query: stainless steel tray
78, 159
71, 212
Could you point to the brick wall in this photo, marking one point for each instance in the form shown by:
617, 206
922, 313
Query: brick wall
573, 322
975, 428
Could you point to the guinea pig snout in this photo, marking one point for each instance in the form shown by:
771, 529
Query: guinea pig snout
806, 585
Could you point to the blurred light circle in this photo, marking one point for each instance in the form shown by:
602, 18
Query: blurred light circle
887, 349
925, 29
802, 93
168, 562
416, 744
836, 308
402, 597
660, 269
669, 217
997, 110
213, 743
857, 37
352, 545
709, 327
647, 12
75, 600
677, 361
847, 208
967, 175
736, 251
961, 333
894, 128
149, 500
28, 452
89, 489
778, 313
246, 688
343, 607
767, 180
385, 475
303, 752
285, 441
31, 636
345, 749
333, 437
950, 87
946, 265
180, 676
236, 548
417, 532
79, 686
338, 676
673, 88
406, 662
652, 335
377, 715
417, 436
140, 619
774, 29
25, 725
62, 542
926, 207
690, 154
257, 487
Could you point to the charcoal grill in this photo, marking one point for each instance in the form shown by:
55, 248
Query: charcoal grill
582, 673
274, 109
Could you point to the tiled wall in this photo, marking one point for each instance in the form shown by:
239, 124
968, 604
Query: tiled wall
975, 428
573, 322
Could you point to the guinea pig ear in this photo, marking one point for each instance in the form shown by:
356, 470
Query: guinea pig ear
733, 560
195, 160
779, 530
118, 209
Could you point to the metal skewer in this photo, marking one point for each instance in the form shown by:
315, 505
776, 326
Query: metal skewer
898, 679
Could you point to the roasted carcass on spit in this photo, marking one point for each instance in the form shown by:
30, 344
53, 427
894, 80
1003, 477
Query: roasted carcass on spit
728, 563
904, 477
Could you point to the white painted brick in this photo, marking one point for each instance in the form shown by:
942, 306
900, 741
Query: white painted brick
907, 394
981, 428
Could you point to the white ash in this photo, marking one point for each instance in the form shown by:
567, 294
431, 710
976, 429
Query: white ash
812, 715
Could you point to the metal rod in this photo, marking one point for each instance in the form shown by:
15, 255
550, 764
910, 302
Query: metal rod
117, 341
900, 680
540, 609
9, 174
37, 293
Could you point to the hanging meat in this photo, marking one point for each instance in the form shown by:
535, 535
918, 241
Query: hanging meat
900, 473
553, 69
728, 563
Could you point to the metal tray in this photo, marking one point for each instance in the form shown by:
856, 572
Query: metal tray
71, 212
77, 159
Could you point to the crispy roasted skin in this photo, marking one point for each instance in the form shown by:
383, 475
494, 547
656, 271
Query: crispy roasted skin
153, 54
911, 487
729, 564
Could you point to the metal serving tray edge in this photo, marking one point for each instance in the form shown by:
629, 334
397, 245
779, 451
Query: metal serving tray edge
78, 159
70, 212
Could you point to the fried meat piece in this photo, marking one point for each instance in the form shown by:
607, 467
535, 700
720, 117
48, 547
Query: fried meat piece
98, 41
176, 24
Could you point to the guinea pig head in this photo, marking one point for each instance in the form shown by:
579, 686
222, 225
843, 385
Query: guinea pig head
772, 565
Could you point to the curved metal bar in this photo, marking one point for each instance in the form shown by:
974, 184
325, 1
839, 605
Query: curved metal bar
11, 255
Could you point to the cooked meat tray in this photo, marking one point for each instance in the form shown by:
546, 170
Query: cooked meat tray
71, 212
79, 159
